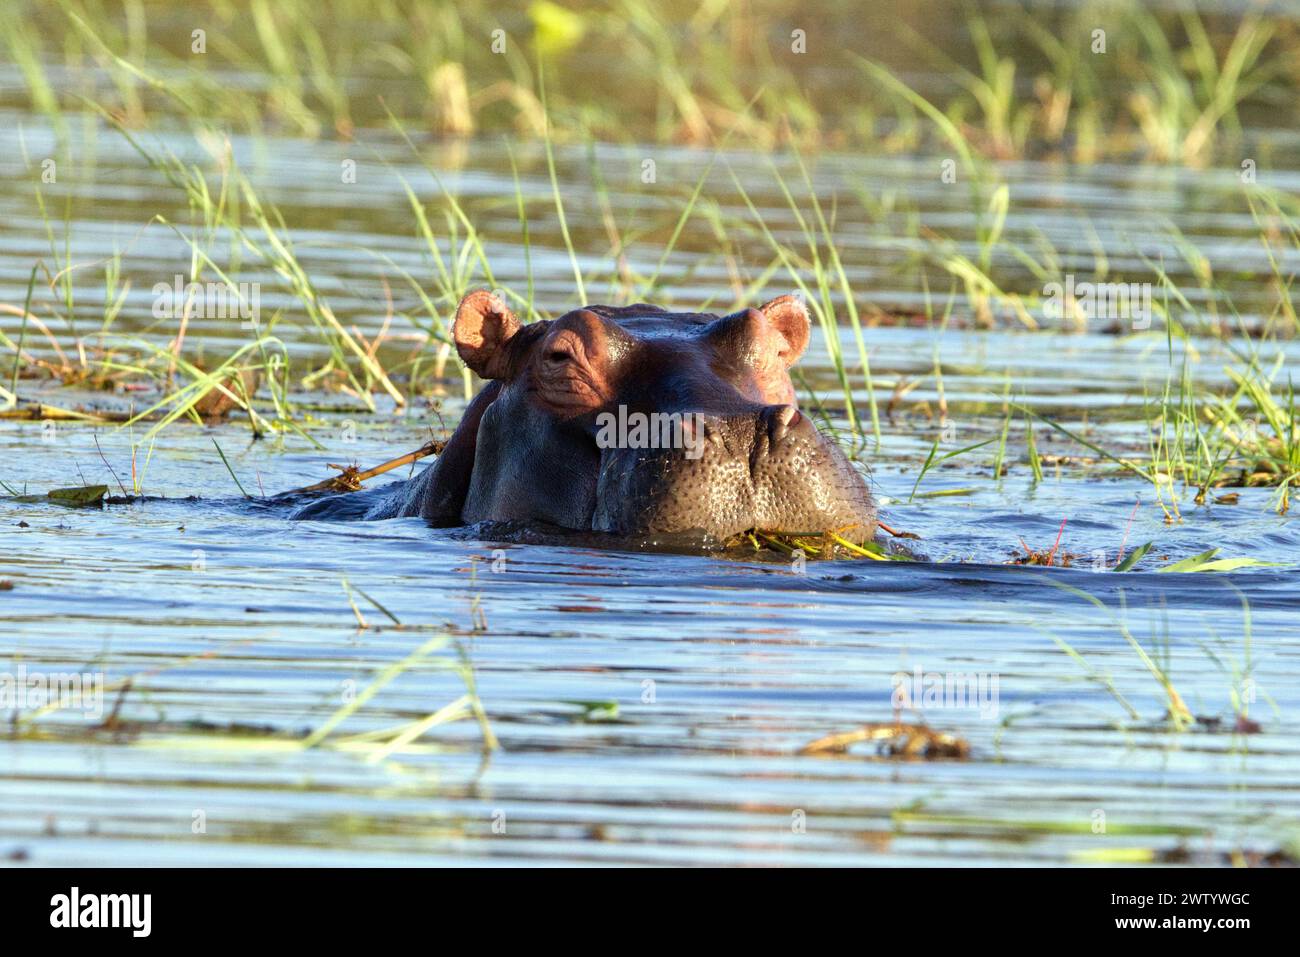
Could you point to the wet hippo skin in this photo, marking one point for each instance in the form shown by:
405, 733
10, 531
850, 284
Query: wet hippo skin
553, 437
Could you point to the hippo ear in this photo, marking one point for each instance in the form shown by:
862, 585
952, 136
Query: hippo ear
483, 326
788, 316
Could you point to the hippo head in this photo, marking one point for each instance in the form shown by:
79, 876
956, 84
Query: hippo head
641, 422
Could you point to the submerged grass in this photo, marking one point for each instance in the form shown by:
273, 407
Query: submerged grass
374, 746
1155, 656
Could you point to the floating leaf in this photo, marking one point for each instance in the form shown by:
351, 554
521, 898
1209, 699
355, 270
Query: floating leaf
1205, 562
80, 496
1232, 564
596, 711
945, 492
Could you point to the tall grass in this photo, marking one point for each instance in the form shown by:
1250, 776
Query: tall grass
1170, 84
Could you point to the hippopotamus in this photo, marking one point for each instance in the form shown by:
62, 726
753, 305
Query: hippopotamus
635, 421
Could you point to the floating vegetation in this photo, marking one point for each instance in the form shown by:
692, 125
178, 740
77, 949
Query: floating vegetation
894, 739
828, 545
80, 497
350, 477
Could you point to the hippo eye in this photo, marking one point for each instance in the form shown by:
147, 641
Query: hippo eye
558, 355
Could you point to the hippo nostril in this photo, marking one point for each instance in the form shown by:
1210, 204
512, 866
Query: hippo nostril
779, 420
774, 423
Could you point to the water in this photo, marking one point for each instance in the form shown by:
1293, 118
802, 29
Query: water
650, 708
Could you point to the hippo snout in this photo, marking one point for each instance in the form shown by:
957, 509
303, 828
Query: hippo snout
770, 469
